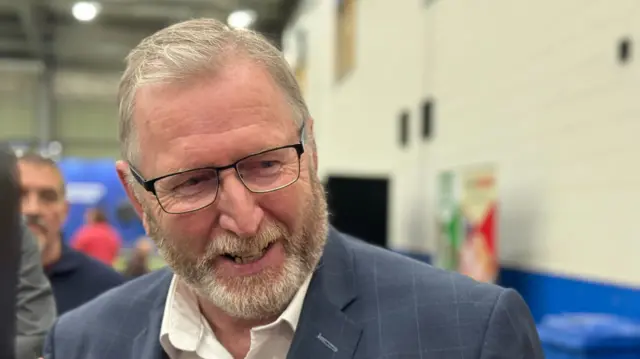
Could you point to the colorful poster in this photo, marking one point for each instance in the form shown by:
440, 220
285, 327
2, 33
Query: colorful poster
466, 222
448, 222
301, 60
346, 36
478, 205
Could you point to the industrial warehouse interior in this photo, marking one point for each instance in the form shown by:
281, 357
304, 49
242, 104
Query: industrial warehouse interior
471, 159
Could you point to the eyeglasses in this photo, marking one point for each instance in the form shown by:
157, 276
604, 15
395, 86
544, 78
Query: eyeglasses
194, 189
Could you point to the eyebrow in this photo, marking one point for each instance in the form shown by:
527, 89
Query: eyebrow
300, 132
41, 190
213, 165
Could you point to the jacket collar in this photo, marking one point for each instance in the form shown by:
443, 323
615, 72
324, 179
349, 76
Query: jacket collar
324, 329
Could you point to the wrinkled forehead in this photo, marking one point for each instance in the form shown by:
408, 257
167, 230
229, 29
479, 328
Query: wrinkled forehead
232, 113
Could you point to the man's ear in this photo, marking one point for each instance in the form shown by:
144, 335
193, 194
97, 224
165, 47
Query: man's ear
122, 168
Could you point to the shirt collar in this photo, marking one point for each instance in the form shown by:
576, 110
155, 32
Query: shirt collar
291, 314
183, 327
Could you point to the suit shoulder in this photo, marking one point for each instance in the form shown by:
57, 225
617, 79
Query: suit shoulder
410, 274
426, 307
134, 295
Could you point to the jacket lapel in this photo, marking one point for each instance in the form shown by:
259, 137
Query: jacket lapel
146, 345
325, 331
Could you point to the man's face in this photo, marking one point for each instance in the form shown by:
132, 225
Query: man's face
43, 201
214, 122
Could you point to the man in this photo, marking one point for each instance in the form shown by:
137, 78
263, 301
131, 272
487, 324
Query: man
221, 164
75, 277
97, 238
28, 308
138, 262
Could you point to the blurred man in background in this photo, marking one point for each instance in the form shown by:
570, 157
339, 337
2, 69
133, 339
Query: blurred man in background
75, 277
97, 238
221, 164
27, 308
138, 262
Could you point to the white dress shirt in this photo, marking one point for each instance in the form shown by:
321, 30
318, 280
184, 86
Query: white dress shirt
185, 334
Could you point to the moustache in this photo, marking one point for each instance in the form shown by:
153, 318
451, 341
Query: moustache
229, 244
34, 220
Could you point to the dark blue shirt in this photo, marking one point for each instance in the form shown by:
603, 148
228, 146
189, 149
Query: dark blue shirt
77, 278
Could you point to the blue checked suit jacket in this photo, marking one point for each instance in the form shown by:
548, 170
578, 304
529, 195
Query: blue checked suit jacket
363, 302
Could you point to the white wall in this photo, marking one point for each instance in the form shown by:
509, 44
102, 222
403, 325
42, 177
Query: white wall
356, 120
533, 87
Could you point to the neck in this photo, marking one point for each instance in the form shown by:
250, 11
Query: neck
51, 252
233, 333
223, 322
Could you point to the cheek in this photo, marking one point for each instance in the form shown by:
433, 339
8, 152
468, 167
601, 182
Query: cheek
194, 227
59, 215
287, 205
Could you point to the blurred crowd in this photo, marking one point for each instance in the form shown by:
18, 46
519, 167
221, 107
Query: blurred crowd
60, 271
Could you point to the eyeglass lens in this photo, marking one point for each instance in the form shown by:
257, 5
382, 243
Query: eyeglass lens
264, 172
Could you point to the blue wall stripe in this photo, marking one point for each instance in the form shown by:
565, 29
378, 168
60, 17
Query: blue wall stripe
553, 294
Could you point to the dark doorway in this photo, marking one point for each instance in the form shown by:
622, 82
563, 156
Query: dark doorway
359, 207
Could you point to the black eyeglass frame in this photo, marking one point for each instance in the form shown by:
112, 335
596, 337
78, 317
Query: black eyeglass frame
149, 184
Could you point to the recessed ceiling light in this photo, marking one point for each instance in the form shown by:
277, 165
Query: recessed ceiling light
85, 11
242, 19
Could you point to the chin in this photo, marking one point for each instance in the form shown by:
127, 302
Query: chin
255, 296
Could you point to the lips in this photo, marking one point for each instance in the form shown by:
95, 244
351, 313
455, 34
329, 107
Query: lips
246, 258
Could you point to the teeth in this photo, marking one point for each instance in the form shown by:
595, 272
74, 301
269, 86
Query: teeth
251, 258
246, 260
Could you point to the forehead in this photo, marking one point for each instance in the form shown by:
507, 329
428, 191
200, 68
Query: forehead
39, 175
213, 120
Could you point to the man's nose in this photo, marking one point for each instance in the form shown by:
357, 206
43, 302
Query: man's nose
239, 212
30, 204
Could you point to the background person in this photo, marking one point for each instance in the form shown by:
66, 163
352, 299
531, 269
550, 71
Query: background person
138, 263
97, 238
75, 277
27, 308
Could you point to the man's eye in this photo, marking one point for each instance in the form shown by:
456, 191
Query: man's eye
189, 182
48, 196
267, 164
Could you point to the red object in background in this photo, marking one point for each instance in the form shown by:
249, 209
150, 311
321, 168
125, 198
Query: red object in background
99, 241
487, 228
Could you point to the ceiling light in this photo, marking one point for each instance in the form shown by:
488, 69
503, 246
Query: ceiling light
85, 11
242, 19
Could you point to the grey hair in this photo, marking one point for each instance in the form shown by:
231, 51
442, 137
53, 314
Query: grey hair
187, 49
